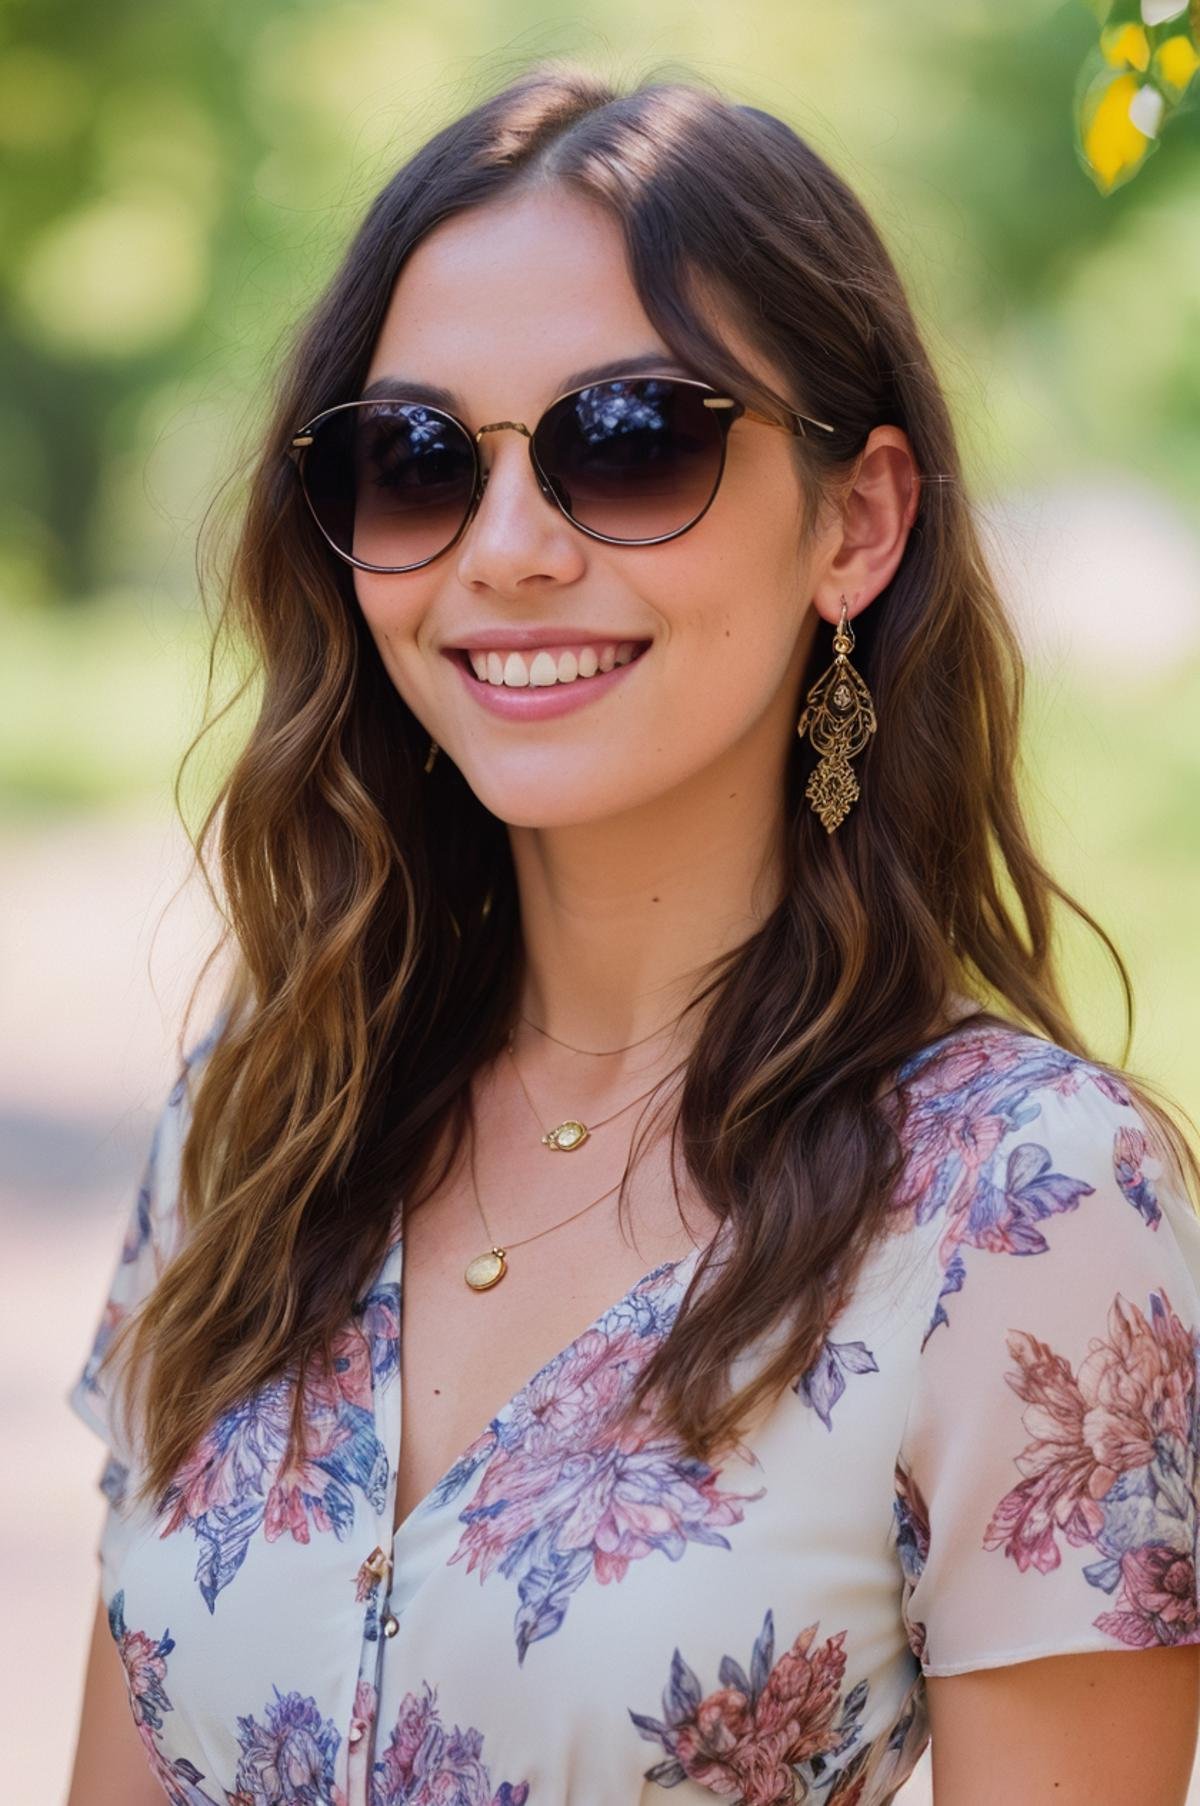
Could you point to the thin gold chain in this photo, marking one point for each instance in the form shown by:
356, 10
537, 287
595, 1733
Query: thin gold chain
603, 1052
592, 1125
529, 1238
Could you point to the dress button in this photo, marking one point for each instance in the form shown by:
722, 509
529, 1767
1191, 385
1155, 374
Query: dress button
390, 1625
356, 1730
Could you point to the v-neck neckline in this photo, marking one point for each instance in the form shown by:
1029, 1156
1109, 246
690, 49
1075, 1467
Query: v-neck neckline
393, 1272
395, 1260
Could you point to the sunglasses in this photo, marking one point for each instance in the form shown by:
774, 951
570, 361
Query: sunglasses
632, 461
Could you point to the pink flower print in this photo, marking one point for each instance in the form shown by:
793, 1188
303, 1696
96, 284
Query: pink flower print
232, 1459
953, 1108
203, 1483
947, 1147
426, 1762
1114, 1462
567, 1493
1160, 1599
1130, 1148
289, 1504
145, 1663
144, 1660
416, 1721
611, 1504
242, 1478
631, 1503
795, 1709
300, 1485
1138, 1386
959, 1063
289, 1759
1062, 1484
573, 1396
761, 1739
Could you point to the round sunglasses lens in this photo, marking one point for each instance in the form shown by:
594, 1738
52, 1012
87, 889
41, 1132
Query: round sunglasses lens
390, 482
634, 459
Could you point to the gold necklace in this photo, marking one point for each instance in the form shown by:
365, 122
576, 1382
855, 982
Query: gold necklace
571, 1134
487, 1270
603, 1052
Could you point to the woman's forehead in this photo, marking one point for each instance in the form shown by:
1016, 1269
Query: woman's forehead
516, 297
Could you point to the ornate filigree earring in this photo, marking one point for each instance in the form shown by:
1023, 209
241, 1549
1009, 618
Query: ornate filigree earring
840, 717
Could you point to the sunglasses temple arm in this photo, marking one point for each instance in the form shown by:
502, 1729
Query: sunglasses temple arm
753, 414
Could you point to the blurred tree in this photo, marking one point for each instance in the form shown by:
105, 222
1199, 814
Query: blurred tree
181, 177
129, 148
1136, 81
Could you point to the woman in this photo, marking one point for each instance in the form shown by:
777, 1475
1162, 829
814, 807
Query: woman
632, 826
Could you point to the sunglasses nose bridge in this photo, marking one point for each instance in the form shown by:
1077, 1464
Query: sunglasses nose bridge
498, 426
518, 426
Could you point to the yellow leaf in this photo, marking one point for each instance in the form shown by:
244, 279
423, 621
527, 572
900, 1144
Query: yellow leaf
1125, 44
1112, 143
1177, 61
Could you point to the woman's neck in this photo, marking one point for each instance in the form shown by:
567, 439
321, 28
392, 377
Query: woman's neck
621, 917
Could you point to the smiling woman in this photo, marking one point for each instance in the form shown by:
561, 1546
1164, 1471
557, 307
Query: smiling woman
639, 727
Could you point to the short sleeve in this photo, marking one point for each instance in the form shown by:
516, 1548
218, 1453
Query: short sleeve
150, 1238
1047, 1479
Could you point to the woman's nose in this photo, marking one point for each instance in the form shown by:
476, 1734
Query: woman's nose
550, 488
517, 526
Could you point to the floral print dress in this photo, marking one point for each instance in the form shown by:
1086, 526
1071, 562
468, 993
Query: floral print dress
996, 1457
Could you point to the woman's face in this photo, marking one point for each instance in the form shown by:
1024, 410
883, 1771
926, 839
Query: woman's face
501, 306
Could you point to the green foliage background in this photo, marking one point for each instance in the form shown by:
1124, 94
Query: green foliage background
181, 177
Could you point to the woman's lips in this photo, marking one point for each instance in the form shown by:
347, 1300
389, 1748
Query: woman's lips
540, 702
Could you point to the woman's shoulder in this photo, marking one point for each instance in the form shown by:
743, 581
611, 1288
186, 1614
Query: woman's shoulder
1014, 1145
967, 1093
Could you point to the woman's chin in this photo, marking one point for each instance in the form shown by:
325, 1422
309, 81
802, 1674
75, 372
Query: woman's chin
550, 798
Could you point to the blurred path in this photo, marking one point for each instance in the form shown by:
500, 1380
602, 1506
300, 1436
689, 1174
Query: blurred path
91, 1014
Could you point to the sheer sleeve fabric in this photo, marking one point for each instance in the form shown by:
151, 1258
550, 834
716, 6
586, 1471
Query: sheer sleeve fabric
1048, 1473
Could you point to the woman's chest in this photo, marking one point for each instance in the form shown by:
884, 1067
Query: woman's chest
577, 1610
469, 1351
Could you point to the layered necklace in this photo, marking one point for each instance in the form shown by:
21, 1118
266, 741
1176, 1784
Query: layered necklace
488, 1269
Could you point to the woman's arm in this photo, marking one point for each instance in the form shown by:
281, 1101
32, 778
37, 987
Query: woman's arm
1098, 1729
110, 1761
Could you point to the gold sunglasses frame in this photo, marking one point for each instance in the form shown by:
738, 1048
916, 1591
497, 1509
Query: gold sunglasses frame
729, 408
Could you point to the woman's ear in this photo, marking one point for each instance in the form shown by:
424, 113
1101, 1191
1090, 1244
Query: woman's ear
877, 508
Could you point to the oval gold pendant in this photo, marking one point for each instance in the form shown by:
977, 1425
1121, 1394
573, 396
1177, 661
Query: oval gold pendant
567, 1135
485, 1270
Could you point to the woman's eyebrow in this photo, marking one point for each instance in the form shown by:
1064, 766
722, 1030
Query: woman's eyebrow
412, 388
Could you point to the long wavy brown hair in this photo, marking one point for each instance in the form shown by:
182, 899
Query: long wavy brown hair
371, 911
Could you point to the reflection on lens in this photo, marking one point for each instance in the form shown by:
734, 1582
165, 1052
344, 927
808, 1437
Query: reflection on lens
390, 482
635, 458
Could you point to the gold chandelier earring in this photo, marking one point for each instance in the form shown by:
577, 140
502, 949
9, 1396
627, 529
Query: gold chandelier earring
840, 717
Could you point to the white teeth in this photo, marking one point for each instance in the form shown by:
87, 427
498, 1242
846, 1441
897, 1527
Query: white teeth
514, 671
